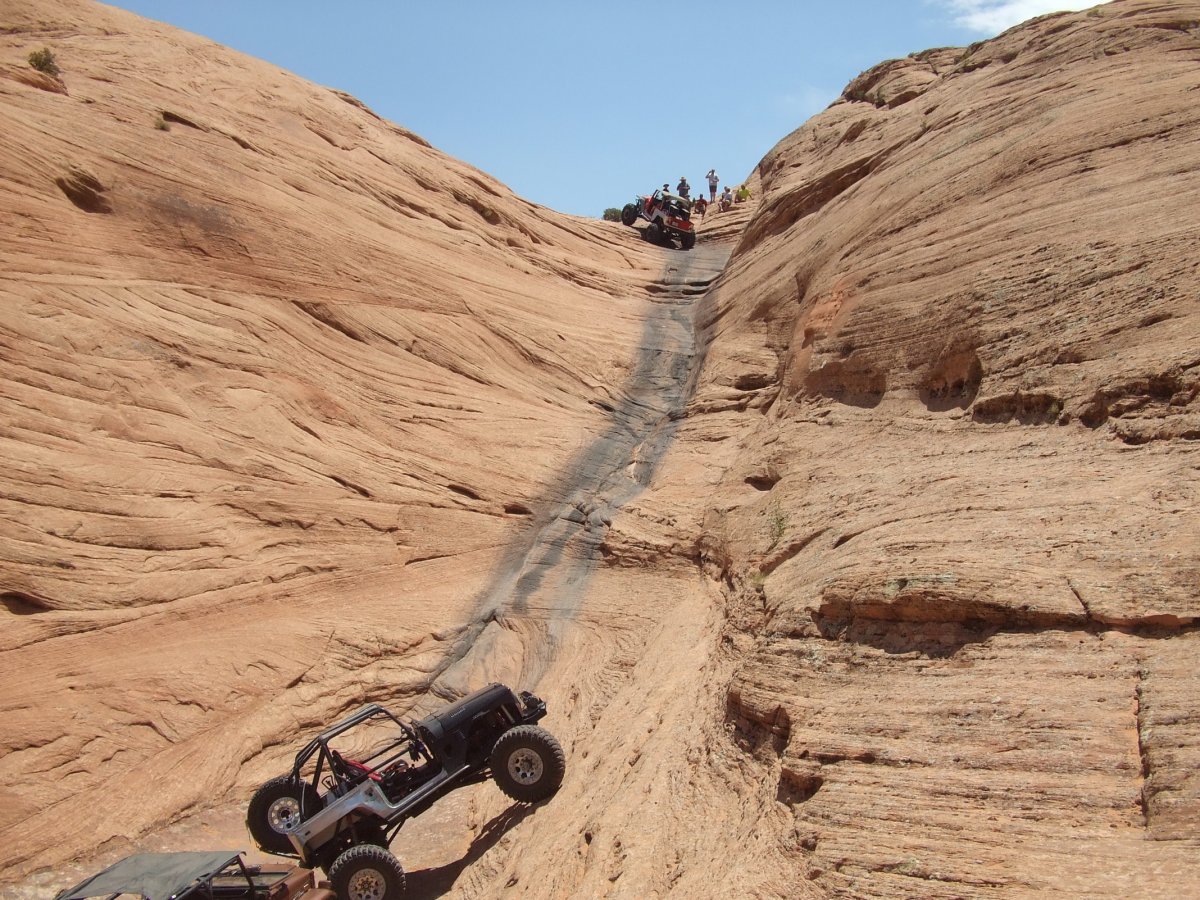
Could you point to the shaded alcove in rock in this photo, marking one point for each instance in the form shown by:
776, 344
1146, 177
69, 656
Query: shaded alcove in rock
953, 383
848, 381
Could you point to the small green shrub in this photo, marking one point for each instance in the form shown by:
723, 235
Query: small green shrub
777, 523
43, 61
612, 214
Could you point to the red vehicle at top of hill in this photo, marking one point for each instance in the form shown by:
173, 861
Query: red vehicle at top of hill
670, 219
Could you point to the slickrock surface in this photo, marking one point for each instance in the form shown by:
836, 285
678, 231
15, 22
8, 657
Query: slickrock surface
284, 390
961, 344
863, 565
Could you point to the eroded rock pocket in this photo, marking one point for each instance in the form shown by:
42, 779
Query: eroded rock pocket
85, 190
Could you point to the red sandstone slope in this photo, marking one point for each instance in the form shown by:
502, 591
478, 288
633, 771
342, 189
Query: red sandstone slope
907, 609
961, 341
279, 382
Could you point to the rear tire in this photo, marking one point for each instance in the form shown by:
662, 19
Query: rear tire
528, 763
367, 872
277, 808
687, 240
629, 214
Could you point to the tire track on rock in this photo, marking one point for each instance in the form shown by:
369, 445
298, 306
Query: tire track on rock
541, 580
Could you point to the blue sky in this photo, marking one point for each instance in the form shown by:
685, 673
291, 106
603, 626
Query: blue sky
578, 106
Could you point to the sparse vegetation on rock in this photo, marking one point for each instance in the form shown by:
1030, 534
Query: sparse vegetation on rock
43, 60
777, 523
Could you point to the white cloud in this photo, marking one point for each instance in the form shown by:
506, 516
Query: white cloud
993, 16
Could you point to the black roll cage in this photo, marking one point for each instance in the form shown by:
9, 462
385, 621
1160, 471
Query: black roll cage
447, 749
407, 744
439, 738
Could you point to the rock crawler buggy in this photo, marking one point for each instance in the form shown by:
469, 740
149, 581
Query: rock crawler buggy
340, 812
670, 219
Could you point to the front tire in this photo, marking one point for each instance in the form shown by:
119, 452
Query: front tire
367, 872
654, 233
687, 240
629, 214
528, 763
277, 808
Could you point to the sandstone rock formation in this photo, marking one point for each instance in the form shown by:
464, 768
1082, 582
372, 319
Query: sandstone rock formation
862, 565
961, 539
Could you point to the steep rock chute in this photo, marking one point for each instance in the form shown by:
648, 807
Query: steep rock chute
857, 569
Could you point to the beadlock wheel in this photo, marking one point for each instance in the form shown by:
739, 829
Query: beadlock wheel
367, 872
528, 764
366, 884
284, 814
525, 767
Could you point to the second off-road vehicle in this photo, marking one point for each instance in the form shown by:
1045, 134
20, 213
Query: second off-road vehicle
670, 218
356, 783
203, 875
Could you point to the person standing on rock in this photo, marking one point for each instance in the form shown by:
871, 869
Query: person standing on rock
714, 180
683, 189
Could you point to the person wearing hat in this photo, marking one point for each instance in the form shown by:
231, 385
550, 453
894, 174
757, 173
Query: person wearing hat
683, 188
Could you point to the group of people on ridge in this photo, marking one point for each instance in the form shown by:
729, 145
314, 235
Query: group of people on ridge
726, 200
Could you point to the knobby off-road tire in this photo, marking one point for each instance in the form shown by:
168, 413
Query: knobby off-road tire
528, 763
629, 214
277, 808
367, 872
688, 240
654, 233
